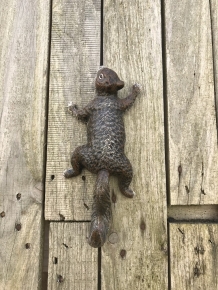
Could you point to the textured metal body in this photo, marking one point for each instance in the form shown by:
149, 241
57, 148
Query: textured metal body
104, 151
106, 133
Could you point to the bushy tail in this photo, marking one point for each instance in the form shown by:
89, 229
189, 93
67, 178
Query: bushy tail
101, 211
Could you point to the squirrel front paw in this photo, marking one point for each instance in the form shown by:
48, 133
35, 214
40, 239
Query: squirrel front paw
136, 88
72, 108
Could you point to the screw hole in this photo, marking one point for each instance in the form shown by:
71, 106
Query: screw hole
52, 177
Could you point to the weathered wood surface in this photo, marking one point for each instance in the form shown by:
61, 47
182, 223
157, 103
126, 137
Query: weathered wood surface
135, 257
75, 59
193, 256
24, 34
73, 264
193, 212
192, 125
214, 27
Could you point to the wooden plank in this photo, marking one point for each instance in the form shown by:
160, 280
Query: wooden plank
193, 256
73, 264
75, 57
193, 212
191, 103
24, 34
214, 27
135, 255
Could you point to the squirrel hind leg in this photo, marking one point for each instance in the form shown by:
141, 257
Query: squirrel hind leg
79, 156
125, 174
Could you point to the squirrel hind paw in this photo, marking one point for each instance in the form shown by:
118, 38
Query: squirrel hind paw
128, 193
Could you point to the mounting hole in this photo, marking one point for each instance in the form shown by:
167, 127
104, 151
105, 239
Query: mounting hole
52, 177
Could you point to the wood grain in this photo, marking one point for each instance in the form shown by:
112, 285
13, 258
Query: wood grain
135, 256
193, 212
75, 57
214, 27
193, 256
73, 264
24, 34
192, 124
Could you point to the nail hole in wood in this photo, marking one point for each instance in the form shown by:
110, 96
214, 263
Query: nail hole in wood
18, 196
2, 214
55, 260
27, 246
52, 177
18, 227
142, 226
123, 254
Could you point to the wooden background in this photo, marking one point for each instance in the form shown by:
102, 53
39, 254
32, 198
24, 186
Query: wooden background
167, 236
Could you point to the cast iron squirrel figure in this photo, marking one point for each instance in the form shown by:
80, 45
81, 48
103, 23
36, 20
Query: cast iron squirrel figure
104, 152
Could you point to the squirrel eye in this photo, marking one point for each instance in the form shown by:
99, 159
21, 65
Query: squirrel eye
101, 76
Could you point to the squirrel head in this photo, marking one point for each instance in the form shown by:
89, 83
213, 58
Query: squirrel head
107, 81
